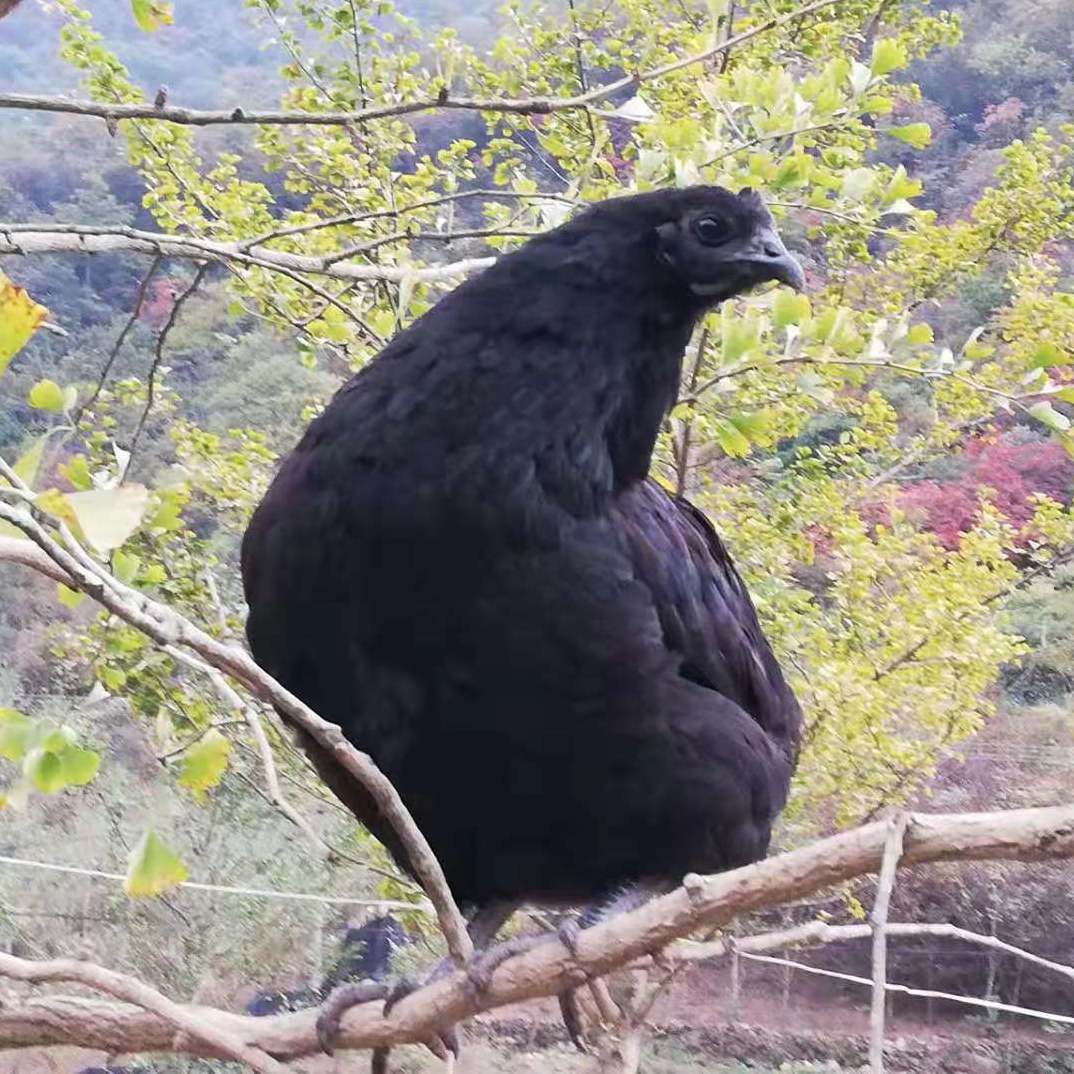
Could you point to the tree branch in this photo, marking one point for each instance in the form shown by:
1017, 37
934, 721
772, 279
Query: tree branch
28, 239
1044, 834
179, 1017
442, 102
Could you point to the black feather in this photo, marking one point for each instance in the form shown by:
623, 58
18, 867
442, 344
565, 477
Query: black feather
464, 564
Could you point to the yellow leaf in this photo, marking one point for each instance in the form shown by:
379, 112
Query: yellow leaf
204, 763
152, 868
109, 516
46, 395
20, 316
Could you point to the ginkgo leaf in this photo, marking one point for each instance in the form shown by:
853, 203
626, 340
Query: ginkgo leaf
76, 470
27, 465
46, 395
1044, 412
44, 770
917, 135
152, 868
151, 14
731, 439
108, 517
69, 598
56, 504
79, 765
888, 55
54, 739
789, 308
16, 734
125, 565
636, 110
20, 317
205, 762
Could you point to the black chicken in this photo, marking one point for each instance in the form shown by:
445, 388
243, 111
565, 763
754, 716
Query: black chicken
465, 565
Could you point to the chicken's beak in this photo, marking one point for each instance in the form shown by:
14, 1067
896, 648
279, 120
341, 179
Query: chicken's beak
769, 259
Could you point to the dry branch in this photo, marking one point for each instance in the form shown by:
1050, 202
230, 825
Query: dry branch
443, 101
182, 1020
1029, 834
25, 239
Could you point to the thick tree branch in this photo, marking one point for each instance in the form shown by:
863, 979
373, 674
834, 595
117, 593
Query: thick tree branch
442, 102
701, 902
182, 1020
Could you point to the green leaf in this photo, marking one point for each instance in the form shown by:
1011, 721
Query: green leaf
77, 472
919, 334
44, 770
27, 465
789, 308
125, 565
79, 765
46, 395
888, 55
108, 517
154, 574
16, 734
20, 317
69, 598
152, 868
917, 135
1045, 413
1047, 354
54, 739
204, 763
738, 334
151, 14
731, 439
56, 504
857, 183
111, 678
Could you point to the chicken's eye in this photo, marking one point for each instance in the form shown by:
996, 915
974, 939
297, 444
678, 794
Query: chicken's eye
712, 230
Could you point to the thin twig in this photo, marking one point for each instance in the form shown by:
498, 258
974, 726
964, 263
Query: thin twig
158, 358
441, 102
114, 352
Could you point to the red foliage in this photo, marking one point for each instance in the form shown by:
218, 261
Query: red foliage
157, 304
1013, 471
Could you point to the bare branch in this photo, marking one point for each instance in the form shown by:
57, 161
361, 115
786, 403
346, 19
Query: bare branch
442, 102
28, 239
1044, 834
158, 358
820, 932
264, 749
178, 1016
113, 354
27, 554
